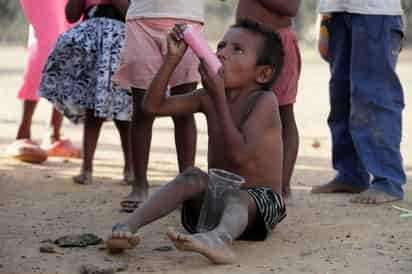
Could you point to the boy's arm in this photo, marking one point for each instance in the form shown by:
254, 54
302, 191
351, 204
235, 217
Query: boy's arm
242, 143
155, 100
282, 7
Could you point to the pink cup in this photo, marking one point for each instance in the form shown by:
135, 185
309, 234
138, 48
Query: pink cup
200, 47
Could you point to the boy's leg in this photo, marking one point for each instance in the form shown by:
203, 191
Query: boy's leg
125, 138
24, 131
290, 138
188, 185
239, 211
91, 132
141, 137
185, 132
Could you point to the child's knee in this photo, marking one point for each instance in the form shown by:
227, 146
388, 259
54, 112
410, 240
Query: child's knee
194, 176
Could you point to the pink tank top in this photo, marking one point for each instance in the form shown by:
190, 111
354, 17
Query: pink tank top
89, 3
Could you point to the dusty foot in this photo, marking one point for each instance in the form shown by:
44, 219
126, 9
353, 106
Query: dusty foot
84, 178
121, 239
335, 186
208, 244
134, 200
373, 196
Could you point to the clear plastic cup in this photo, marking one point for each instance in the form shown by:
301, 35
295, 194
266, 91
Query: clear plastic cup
212, 205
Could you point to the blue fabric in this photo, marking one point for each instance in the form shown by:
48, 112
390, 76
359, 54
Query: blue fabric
366, 100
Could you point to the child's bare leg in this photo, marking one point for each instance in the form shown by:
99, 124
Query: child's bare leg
189, 185
56, 122
290, 137
91, 132
185, 132
24, 131
141, 137
215, 244
125, 138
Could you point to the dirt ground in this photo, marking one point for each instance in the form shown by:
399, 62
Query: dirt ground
322, 233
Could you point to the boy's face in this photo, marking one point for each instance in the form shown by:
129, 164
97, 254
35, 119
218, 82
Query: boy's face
238, 53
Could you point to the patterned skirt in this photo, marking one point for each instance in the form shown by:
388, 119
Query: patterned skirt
77, 75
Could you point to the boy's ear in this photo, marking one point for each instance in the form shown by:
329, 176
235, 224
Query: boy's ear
264, 74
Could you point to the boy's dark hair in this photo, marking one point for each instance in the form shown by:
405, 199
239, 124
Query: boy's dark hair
271, 53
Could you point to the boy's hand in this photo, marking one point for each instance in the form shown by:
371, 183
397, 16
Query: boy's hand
176, 46
212, 82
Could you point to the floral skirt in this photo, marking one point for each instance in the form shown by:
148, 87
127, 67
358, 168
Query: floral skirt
77, 75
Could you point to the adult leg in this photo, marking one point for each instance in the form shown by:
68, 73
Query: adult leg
351, 175
188, 185
239, 211
24, 131
125, 138
91, 132
141, 137
290, 138
377, 104
185, 132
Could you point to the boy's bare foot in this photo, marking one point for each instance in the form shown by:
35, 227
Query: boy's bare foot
208, 244
335, 186
134, 200
374, 197
121, 239
84, 178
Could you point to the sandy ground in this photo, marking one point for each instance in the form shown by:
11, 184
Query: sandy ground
322, 233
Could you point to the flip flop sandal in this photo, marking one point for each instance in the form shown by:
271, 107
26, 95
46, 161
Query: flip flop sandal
27, 150
63, 148
129, 206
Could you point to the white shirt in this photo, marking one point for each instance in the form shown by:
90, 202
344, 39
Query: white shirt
370, 7
178, 9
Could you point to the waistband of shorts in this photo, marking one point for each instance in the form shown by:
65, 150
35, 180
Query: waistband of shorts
164, 21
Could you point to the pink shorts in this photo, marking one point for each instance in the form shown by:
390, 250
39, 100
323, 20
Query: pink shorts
286, 86
144, 51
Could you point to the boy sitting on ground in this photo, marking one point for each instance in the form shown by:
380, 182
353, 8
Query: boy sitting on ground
244, 131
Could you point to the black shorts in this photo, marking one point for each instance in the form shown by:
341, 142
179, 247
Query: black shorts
271, 210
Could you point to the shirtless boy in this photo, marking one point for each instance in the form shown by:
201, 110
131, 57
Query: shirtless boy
245, 138
277, 15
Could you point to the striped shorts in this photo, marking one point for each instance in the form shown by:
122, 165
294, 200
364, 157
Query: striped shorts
271, 210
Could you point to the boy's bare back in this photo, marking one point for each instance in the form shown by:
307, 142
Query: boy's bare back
275, 14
